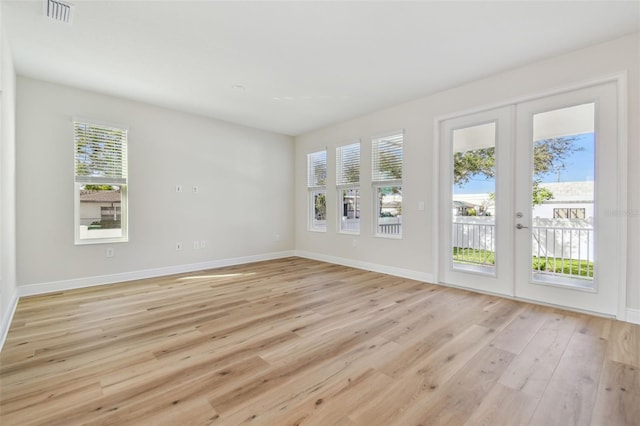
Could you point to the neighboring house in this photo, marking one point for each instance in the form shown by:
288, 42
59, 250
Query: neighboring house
465, 208
571, 200
96, 206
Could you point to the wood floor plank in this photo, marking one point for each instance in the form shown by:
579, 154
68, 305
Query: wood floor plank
299, 342
520, 331
319, 385
624, 343
196, 412
459, 397
531, 371
571, 393
335, 404
503, 406
424, 378
618, 400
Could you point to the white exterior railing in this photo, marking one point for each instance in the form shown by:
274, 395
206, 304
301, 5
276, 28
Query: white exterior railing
350, 225
562, 239
390, 225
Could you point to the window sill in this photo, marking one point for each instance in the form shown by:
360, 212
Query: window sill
101, 241
317, 230
388, 237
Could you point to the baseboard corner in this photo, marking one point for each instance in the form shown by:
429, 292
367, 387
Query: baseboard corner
633, 315
7, 318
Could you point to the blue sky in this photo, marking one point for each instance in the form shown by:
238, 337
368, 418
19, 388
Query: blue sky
579, 167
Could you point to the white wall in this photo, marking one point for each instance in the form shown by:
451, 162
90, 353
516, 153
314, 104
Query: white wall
244, 178
415, 251
8, 292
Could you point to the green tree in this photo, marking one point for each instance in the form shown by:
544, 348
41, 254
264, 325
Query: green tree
320, 172
90, 187
98, 151
352, 173
390, 164
549, 156
540, 193
320, 204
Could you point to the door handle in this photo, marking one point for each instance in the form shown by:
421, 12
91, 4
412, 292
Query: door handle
520, 226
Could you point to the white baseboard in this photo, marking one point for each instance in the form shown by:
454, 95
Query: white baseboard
383, 269
7, 317
633, 315
54, 286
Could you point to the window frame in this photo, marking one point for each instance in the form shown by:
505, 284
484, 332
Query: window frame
315, 188
378, 182
122, 182
345, 184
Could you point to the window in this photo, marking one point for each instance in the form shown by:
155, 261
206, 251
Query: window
317, 187
348, 185
569, 213
386, 176
100, 183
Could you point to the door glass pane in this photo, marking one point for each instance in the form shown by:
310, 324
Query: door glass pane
563, 196
474, 195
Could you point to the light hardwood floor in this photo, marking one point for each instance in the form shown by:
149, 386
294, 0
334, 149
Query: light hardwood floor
300, 342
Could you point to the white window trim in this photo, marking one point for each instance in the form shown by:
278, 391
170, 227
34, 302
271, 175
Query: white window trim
124, 208
347, 186
98, 122
313, 189
376, 184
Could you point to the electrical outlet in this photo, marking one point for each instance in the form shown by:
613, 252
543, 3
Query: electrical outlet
178, 246
195, 189
196, 245
110, 252
178, 188
203, 244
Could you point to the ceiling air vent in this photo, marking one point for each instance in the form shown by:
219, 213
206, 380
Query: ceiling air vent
58, 11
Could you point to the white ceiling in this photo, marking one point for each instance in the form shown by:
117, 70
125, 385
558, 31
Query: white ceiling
300, 65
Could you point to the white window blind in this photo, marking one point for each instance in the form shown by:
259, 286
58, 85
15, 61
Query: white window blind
387, 158
100, 154
317, 169
348, 164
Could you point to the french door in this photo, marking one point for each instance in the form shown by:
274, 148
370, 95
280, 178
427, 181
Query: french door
526, 196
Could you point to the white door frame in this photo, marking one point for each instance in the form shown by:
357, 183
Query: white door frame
620, 79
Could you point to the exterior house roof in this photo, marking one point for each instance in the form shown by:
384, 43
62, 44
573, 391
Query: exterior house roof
563, 192
100, 196
570, 191
458, 203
